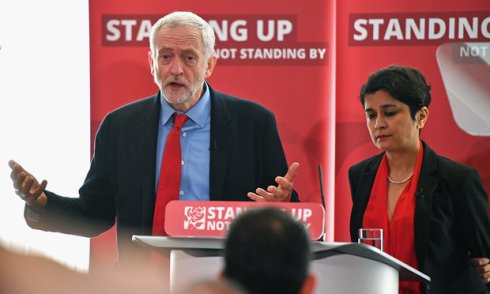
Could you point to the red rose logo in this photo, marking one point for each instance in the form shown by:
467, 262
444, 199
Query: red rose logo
195, 218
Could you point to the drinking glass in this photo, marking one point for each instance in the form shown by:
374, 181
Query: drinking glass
373, 237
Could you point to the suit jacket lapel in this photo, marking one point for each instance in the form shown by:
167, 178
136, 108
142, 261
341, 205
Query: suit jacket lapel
146, 150
221, 144
361, 197
428, 182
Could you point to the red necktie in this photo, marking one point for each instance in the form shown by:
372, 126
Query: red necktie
169, 181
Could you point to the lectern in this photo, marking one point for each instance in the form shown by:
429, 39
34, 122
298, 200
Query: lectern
339, 267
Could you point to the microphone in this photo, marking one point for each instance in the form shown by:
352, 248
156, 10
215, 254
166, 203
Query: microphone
322, 195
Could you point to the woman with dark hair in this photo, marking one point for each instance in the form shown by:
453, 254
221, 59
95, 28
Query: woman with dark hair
433, 211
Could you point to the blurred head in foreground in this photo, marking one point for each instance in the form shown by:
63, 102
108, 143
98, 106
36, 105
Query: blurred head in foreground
267, 251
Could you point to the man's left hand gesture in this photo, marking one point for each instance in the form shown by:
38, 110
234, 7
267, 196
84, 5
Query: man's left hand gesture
280, 193
482, 266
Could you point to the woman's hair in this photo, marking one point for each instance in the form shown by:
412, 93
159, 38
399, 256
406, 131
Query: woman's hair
405, 84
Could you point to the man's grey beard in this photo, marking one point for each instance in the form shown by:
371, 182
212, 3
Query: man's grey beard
186, 98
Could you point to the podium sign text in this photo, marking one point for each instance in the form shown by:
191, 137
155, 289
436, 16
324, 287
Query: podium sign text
212, 218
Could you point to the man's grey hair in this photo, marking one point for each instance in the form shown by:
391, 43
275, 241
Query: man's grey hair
185, 18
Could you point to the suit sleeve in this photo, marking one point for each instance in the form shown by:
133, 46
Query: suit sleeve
474, 215
353, 181
94, 211
355, 217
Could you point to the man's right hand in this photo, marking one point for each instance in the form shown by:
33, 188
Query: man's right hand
27, 186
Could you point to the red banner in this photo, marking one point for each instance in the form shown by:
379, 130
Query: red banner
269, 52
213, 218
295, 57
435, 40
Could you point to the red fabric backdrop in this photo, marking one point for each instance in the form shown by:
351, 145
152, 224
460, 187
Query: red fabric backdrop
356, 59
295, 89
315, 99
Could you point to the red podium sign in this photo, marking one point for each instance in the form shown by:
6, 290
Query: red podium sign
212, 218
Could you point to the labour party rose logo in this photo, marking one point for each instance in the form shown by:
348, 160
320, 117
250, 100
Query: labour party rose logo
195, 218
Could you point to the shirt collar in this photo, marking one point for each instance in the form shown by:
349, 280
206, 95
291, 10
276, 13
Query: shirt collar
199, 113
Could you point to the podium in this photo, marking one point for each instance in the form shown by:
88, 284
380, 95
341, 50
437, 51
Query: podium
338, 267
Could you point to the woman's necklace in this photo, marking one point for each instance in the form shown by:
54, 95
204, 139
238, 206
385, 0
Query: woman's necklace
399, 182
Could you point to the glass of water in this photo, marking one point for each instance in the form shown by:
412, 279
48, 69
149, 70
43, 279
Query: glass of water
373, 237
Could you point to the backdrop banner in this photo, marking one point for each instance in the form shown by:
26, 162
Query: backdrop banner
269, 52
306, 63
449, 44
